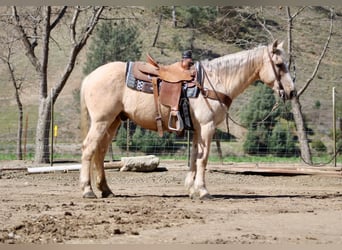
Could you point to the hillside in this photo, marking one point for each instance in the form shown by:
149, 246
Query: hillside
236, 30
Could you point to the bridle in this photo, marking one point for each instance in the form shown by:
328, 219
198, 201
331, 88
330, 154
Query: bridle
277, 74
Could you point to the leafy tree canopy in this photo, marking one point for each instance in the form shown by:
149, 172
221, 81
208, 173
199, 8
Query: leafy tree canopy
113, 42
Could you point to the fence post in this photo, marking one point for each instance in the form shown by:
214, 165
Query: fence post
127, 137
51, 129
334, 124
25, 135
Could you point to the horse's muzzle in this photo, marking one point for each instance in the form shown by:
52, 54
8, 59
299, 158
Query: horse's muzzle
293, 93
284, 96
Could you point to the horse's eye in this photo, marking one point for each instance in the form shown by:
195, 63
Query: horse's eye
279, 65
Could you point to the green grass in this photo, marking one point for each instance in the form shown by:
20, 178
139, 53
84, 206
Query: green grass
317, 161
11, 157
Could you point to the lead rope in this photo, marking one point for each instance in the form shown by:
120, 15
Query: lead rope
314, 164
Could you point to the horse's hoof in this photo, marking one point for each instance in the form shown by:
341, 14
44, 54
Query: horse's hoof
206, 196
192, 196
107, 194
89, 195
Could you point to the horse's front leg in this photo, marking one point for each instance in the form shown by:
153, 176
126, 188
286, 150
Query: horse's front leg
204, 142
195, 179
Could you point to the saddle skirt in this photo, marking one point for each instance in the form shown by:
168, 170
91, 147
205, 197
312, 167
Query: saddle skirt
139, 77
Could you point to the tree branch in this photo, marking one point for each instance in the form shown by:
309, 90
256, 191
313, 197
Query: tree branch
59, 17
77, 46
29, 47
73, 25
289, 34
93, 21
321, 56
263, 25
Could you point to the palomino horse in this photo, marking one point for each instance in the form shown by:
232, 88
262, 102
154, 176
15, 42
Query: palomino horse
106, 98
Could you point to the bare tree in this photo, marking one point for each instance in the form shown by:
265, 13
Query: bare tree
296, 106
42, 22
6, 57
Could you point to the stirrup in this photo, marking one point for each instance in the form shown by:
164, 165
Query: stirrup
179, 125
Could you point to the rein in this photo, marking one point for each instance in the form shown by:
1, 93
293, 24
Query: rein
213, 94
222, 98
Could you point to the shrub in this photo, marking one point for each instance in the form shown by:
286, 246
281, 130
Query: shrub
281, 142
145, 141
256, 110
319, 146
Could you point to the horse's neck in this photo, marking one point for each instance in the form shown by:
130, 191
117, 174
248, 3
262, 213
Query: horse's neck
237, 71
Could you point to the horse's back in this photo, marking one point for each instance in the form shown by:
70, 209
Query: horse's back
106, 74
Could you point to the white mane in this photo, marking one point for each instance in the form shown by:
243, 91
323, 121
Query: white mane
231, 69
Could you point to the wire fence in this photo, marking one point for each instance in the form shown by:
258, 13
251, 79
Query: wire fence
271, 140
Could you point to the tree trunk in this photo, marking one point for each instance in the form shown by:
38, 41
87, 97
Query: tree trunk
20, 132
17, 86
157, 32
42, 153
296, 107
301, 133
174, 19
305, 151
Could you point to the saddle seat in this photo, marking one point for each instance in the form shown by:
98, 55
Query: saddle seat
173, 73
167, 81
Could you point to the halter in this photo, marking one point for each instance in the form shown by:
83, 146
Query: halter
277, 75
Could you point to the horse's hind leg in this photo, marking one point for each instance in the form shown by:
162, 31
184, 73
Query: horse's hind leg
90, 145
99, 157
190, 177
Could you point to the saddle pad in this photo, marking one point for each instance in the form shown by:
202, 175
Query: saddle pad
193, 91
135, 84
130, 79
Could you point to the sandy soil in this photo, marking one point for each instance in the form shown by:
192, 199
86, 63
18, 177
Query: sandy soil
155, 208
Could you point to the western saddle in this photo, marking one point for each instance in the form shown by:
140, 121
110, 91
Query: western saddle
167, 82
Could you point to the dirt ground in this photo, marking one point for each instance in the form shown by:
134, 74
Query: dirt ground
155, 208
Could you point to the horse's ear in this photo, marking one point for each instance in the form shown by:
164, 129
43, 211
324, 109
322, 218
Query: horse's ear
280, 45
274, 45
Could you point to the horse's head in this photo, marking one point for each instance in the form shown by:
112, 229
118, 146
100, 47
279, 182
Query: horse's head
275, 73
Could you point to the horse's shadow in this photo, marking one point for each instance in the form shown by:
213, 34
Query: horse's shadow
217, 197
